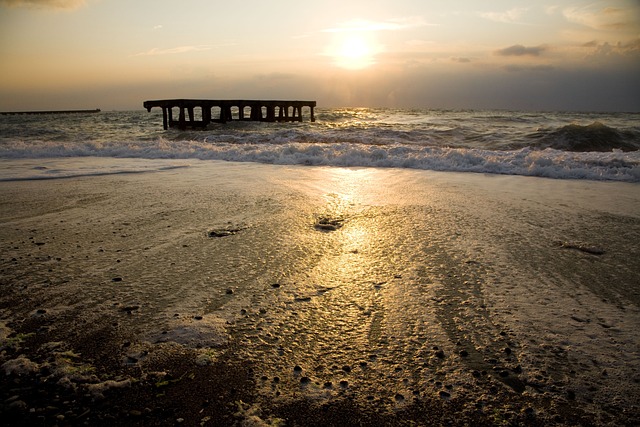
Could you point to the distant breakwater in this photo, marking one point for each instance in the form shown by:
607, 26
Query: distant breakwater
11, 113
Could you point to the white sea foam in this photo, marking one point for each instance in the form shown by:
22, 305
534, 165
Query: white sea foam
551, 163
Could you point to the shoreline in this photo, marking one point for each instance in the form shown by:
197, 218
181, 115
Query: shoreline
225, 293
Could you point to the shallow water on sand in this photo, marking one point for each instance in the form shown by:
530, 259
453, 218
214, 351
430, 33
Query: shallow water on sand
380, 286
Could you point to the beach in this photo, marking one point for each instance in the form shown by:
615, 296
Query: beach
230, 293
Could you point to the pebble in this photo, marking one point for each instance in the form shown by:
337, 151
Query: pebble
229, 291
130, 308
18, 405
305, 380
440, 354
117, 279
297, 369
275, 285
399, 397
344, 383
444, 394
328, 384
464, 353
507, 350
346, 368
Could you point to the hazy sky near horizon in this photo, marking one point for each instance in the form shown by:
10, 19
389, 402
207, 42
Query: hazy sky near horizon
507, 54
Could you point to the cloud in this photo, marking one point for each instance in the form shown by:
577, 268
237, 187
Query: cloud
631, 46
510, 16
44, 4
419, 43
607, 52
551, 10
609, 18
461, 60
519, 50
537, 68
174, 50
389, 25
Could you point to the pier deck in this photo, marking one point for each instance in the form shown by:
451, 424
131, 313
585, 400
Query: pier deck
222, 111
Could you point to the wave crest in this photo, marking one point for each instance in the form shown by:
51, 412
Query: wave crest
594, 137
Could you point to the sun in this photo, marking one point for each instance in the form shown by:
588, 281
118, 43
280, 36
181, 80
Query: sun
353, 51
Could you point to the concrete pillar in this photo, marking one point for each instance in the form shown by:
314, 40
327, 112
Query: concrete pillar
271, 113
164, 118
182, 125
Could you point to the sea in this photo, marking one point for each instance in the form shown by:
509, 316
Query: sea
559, 145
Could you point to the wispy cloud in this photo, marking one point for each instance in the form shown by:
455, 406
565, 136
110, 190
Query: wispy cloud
536, 68
605, 50
43, 4
609, 18
388, 25
520, 50
157, 27
174, 50
511, 16
592, 43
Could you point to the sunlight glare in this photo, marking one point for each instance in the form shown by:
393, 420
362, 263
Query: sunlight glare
354, 51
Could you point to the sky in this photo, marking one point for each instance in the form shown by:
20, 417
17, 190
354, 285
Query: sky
454, 54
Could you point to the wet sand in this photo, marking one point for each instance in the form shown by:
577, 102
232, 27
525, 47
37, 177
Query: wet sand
231, 293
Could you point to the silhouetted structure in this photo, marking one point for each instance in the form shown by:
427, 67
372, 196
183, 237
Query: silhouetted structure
222, 111
97, 110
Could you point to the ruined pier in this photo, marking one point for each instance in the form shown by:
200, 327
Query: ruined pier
198, 113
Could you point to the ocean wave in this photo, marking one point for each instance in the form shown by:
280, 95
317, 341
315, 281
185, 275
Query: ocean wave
556, 145
594, 137
549, 162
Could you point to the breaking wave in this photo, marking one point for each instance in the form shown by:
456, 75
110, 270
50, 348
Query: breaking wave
549, 162
593, 137
550, 145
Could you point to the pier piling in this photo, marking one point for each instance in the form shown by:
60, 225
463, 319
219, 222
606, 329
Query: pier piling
264, 111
